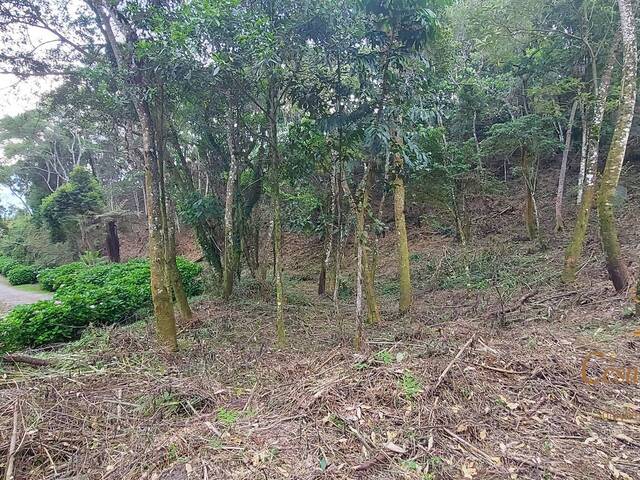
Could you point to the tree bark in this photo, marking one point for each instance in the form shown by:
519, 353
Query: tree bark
574, 250
112, 242
404, 272
615, 159
175, 280
359, 339
360, 204
272, 114
584, 152
228, 263
160, 293
563, 168
529, 173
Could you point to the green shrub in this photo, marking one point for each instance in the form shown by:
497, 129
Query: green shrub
6, 264
100, 295
22, 275
52, 278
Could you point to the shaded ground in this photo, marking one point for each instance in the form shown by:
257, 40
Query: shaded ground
11, 296
495, 375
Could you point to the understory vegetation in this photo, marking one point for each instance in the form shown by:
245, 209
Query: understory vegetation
85, 295
309, 239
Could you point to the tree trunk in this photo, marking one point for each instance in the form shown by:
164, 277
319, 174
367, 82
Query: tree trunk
339, 243
574, 250
272, 114
175, 280
113, 242
328, 280
584, 152
403, 242
615, 159
228, 263
361, 205
160, 294
359, 339
529, 173
563, 168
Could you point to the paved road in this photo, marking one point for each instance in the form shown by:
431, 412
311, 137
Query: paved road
11, 296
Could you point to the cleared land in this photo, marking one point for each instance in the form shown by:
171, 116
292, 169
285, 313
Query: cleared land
484, 380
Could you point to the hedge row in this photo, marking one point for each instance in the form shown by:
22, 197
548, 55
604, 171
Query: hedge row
17, 273
99, 295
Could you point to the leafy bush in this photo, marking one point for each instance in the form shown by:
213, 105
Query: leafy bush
102, 294
22, 275
53, 278
6, 264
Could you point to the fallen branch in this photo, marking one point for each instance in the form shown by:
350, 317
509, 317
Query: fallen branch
503, 311
8, 475
446, 370
479, 453
36, 362
545, 468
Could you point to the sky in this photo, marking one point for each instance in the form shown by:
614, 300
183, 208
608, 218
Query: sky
18, 95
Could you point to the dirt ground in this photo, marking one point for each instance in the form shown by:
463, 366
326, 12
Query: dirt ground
500, 372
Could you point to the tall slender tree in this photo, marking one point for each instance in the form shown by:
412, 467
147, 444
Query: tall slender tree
611, 175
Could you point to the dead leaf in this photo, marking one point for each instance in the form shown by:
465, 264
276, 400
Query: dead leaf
395, 448
469, 471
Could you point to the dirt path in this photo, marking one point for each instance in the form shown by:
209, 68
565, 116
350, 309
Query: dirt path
11, 296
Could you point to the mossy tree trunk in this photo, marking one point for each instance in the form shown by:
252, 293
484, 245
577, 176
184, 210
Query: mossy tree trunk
327, 281
272, 118
563, 168
175, 281
160, 291
574, 250
615, 159
359, 339
584, 152
339, 243
404, 271
360, 205
229, 251
530, 173
139, 93
373, 316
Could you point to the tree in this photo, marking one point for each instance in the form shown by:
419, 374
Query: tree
615, 158
77, 206
530, 138
574, 250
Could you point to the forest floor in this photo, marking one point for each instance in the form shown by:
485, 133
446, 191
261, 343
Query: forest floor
11, 296
483, 380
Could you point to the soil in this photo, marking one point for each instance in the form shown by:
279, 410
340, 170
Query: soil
500, 372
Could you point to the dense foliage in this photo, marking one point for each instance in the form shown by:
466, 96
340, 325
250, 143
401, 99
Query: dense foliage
253, 118
22, 275
100, 295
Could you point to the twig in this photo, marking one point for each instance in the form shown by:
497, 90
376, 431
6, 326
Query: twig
531, 463
471, 447
501, 370
503, 311
380, 457
12, 445
446, 370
